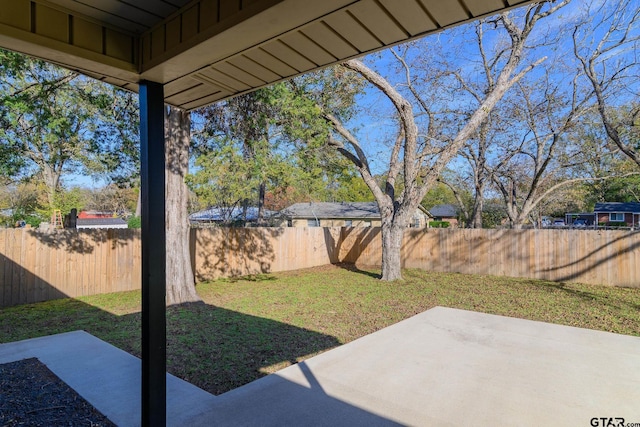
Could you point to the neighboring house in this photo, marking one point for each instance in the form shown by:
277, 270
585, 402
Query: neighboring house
618, 212
343, 214
233, 216
100, 223
445, 212
95, 214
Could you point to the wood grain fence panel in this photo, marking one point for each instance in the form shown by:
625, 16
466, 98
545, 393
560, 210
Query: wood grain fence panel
601, 256
71, 283
16, 244
634, 262
583, 265
122, 260
433, 263
621, 272
445, 252
552, 261
548, 263
433, 251
137, 261
95, 261
40, 288
4, 264
107, 264
625, 272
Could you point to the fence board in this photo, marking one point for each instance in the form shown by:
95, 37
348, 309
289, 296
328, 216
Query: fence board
3, 268
16, 276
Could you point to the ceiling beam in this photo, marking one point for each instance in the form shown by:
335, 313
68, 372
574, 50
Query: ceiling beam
60, 36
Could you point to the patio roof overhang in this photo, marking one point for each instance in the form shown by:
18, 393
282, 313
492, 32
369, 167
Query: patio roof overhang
203, 51
190, 53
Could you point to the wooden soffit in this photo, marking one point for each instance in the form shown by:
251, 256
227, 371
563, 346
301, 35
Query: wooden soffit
204, 51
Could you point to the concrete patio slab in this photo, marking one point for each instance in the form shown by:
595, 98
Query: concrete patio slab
107, 377
440, 367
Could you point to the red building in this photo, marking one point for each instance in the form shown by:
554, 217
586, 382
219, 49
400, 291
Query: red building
94, 215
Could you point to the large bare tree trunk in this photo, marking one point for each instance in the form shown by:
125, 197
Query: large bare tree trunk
478, 207
391, 251
180, 279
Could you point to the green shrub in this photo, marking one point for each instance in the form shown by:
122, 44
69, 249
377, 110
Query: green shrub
617, 224
134, 222
33, 220
439, 224
613, 224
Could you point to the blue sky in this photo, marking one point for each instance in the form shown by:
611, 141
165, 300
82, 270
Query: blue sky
375, 125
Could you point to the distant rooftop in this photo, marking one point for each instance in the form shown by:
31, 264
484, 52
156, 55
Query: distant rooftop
101, 223
444, 211
617, 207
327, 210
230, 214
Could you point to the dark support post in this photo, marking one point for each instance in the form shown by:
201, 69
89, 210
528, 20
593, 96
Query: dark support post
152, 190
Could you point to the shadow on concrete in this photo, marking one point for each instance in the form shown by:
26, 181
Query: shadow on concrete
278, 401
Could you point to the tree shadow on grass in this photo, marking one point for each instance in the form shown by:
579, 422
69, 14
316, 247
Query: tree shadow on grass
233, 348
211, 347
590, 297
355, 269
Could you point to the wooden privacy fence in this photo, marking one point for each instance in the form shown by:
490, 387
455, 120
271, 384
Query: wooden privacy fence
38, 266
604, 257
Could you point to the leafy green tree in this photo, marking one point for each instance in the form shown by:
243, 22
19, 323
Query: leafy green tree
116, 131
65, 200
48, 118
237, 136
440, 194
272, 141
20, 201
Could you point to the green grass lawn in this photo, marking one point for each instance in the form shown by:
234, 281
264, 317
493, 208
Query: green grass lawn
250, 327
